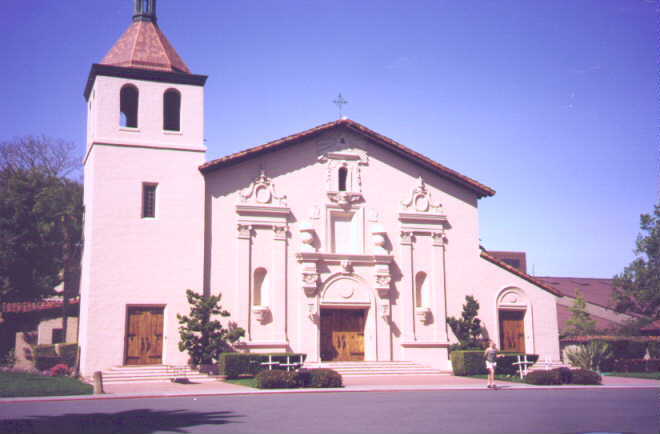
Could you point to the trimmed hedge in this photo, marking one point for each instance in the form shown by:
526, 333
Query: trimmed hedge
637, 365
562, 375
582, 376
320, 377
543, 378
233, 365
471, 362
468, 362
628, 349
277, 379
565, 374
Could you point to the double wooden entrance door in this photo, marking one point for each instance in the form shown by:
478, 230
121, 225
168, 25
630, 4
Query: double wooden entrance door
342, 334
144, 336
512, 330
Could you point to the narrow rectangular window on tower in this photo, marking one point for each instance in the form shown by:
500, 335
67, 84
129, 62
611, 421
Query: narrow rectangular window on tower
148, 200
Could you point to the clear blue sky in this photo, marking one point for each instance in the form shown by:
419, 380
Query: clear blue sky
552, 103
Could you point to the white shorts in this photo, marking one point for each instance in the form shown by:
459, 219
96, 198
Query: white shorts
490, 365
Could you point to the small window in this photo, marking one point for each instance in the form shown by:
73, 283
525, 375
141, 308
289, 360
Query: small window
148, 200
128, 106
342, 176
261, 287
172, 110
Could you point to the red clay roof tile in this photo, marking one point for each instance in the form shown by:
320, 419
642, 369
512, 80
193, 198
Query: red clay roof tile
144, 46
480, 189
527, 277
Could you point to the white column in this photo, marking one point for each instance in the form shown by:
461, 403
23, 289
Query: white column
279, 283
438, 293
243, 268
407, 286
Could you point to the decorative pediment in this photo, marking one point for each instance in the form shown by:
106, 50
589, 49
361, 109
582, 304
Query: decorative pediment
262, 192
339, 150
420, 200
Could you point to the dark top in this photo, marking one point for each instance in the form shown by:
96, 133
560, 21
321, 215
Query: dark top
491, 354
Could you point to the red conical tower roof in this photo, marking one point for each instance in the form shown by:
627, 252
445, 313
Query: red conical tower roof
144, 46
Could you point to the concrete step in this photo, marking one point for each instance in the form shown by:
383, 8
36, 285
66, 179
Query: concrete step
153, 374
377, 368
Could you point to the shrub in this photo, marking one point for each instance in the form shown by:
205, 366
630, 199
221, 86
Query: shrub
565, 374
468, 362
8, 360
45, 357
637, 365
59, 370
543, 378
233, 365
505, 364
628, 349
278, 379
653, 365
589, 356
320, 378
583, 376
68, 353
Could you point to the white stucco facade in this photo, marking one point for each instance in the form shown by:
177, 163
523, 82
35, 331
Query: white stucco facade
334, 219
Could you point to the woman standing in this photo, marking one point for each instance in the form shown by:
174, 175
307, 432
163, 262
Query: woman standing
491, 355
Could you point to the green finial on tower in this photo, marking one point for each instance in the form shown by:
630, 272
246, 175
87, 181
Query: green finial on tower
145, 10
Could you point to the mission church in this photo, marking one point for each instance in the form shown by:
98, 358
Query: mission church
336, 242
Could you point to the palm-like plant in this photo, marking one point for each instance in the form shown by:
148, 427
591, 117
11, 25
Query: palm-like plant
589, 356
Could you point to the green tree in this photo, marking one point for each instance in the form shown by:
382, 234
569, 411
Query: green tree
580, 323
201, 336
40, 219
637, 288
467, 329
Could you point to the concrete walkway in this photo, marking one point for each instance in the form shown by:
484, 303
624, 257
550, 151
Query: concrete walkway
352, 384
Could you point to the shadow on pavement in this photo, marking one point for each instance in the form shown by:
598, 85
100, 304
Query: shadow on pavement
142, 421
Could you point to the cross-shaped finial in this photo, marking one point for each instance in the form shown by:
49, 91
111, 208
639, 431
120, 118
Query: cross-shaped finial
339, 102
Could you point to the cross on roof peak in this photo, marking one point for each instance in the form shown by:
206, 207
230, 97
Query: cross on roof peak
339, 102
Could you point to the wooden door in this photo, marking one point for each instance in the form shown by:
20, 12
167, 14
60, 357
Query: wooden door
342, 334
144, 336
512, 331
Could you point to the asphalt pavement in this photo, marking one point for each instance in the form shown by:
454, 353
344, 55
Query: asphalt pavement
585, 410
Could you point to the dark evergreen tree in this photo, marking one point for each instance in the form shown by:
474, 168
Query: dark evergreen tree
467, 329
202, 336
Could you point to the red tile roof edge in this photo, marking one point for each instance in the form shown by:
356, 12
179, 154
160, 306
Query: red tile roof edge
481, 189
519, 273
34, 306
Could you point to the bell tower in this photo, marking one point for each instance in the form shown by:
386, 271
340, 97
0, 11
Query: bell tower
143, 196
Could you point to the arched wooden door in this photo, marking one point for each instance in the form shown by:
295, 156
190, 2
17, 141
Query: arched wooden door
144, 336
512, 330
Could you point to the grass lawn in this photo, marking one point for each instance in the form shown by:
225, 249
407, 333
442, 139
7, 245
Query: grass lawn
246, 381
511, 378
645, 375
14, 384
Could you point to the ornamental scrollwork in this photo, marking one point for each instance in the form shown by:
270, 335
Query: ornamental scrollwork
420, 199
